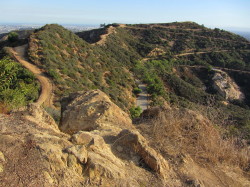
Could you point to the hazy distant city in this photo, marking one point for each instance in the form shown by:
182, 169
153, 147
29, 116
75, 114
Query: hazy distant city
5, 28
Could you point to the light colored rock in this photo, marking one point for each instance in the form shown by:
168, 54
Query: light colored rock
36, 113
1, 168
43, 156
48, 177
2, 159
101, 160
80, 152
33, 145
92, 110
86, 138
139, 144
226, 86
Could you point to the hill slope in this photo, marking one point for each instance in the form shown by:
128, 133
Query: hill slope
75, 65
199, 131
103, 148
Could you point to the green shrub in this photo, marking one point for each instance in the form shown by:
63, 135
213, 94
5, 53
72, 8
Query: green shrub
135, 112
136, 91
12, 37
17, 85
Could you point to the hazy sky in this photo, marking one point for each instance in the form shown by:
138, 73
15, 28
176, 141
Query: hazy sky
212, 13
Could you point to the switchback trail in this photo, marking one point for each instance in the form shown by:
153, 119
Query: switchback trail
46, 95
216, 68
110, 30
143, 98
201, 52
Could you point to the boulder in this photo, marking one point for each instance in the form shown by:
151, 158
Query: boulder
91, 110
79, 151
139, 144
226, 86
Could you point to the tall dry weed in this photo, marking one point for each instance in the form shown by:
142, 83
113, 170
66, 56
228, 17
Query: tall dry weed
175, 132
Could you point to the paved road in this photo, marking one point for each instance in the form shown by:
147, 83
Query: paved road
143, 99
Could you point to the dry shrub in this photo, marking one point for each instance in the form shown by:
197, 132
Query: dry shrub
4, 109
176, 132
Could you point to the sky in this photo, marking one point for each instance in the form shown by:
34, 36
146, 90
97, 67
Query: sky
234, 14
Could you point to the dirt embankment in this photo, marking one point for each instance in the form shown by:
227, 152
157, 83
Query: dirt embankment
46, 95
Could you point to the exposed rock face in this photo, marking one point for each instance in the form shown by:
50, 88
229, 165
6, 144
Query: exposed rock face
34, 152
139, 145
92, 110
226, 86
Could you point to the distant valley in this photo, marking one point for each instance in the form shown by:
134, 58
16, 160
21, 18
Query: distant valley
245, 34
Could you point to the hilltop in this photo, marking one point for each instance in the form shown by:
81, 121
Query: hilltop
197, 81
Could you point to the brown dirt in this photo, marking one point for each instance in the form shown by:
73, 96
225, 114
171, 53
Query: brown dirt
201, 52
110, 30
46, 95
216, 68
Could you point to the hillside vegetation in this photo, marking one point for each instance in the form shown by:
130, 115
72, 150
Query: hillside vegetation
196, 133
75, 65
18, 86
164, 56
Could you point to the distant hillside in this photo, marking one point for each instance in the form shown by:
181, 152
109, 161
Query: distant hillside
177, 62
75, 65
244, 34
158, 49
197, 88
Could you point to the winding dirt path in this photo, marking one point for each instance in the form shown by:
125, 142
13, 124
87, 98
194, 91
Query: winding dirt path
201, 52
143, 98
110, 30
103, 37
216, 68
46, 95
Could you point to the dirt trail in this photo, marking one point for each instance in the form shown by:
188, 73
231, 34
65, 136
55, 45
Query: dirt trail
103, 37
202, 52
110, 30
183, 33
143, 99
46, 95
216, 68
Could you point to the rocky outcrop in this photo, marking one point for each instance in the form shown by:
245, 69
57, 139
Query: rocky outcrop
112, 152
226, 86
34, 152
139, 145
90, 111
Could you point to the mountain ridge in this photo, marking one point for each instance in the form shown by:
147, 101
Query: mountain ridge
197, 122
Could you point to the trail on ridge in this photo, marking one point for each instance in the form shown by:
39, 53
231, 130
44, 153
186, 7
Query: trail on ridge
46, 95
110, 30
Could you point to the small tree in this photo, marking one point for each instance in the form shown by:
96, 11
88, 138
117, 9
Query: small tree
102, 25
12, 36
136, 91
135, 111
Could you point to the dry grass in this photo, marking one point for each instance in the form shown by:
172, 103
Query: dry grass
178, 132
4, 109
